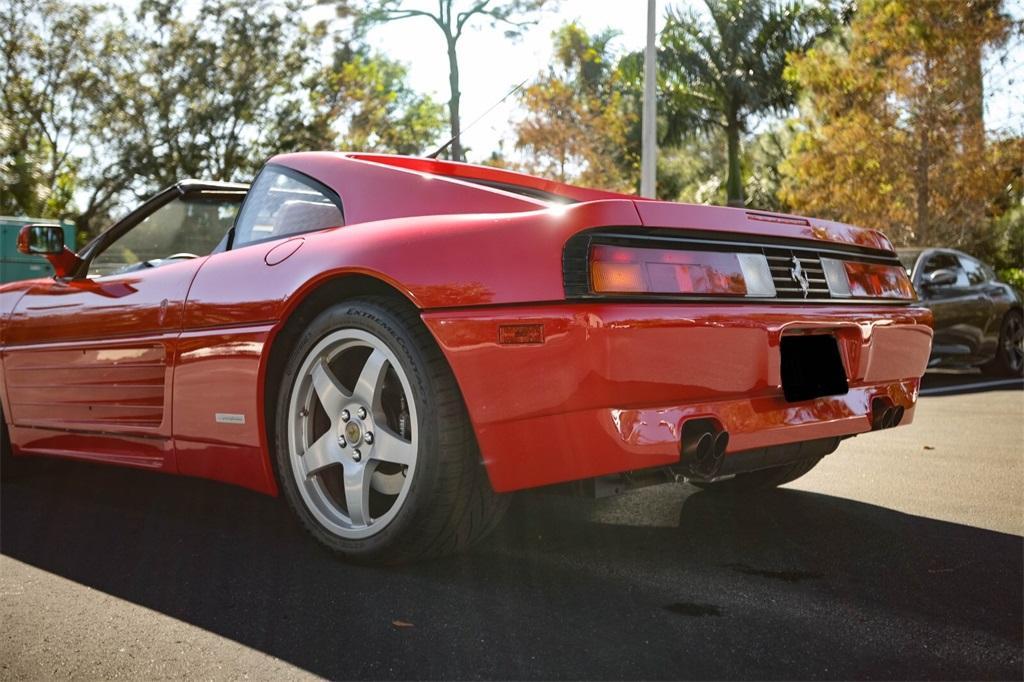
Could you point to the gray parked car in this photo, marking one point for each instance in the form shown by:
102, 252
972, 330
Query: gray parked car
978, 319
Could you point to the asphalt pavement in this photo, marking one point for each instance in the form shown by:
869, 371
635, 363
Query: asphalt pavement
899, 557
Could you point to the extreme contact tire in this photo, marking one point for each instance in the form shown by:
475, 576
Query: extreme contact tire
1009, 359
374, 449
756, 481
5, 444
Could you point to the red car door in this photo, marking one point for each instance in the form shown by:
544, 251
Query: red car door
89, 359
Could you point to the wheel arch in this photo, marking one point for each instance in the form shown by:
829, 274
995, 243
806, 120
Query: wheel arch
306, 306
472, 516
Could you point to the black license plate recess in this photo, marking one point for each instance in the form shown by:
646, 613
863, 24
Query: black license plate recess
812, 367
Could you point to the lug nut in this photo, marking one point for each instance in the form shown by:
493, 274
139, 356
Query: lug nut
342, 442
345, 416
368, 437
356, 455
362, 413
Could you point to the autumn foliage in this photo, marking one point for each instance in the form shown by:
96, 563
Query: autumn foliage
892, 130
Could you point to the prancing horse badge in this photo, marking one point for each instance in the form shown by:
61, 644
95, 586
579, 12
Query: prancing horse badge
799, 276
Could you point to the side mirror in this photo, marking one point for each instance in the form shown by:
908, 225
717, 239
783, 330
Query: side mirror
942, 277
48, 241
41, 240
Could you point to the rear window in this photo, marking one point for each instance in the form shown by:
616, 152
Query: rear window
529, 192
281, 203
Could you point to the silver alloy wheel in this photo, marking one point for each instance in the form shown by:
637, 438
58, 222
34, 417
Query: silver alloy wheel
352, 433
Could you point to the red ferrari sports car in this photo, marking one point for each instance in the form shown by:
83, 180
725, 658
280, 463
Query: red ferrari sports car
392, 343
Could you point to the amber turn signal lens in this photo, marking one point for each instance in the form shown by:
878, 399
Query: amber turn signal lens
518, 334
618, 277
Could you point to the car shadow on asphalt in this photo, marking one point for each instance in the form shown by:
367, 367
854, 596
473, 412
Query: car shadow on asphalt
664, 583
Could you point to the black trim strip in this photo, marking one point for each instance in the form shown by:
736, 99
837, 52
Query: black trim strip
706, 239
576, 265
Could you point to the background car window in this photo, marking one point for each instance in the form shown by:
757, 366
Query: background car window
191, 225
279, 205
945, 261
909, 259
976, 273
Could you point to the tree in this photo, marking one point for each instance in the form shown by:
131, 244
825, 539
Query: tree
692, 170
360, 100
101, 107
51, 82
891, 124
721, 73
582, 124
96, 104
515, 15
578, 116
202, 86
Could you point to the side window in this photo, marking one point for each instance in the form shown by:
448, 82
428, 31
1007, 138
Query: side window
945, 261
976, 272
183, 228
281, 203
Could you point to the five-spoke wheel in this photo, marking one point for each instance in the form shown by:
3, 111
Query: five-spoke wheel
351, 440
374, 449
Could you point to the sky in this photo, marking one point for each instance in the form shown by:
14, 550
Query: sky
491, 65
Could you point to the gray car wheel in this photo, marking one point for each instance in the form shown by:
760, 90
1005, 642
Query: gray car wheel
374, 449
1009, 359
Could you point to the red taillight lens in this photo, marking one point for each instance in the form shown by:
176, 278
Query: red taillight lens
879, 281
621, 270
866, 280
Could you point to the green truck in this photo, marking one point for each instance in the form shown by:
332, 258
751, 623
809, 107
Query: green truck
14, 265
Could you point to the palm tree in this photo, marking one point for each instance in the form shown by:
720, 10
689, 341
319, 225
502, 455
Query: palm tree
722, 72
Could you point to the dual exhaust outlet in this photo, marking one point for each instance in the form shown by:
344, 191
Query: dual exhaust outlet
703, 449
704, 442
884, 415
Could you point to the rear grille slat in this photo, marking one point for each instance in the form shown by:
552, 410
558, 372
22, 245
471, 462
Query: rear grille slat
783, 265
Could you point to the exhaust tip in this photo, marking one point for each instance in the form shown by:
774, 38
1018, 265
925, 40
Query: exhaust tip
887, 417
897, 415
877, 414
705, 447
701, 454
721, 443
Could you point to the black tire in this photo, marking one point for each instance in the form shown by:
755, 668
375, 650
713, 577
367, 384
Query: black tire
450, 503
7, 463
1009, 359
757, 481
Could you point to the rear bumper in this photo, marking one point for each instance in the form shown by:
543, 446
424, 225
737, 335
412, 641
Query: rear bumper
611, 385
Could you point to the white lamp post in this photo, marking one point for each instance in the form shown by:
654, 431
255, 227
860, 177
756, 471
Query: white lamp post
649, 142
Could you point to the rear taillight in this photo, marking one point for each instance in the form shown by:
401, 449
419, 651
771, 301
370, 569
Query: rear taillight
629, 270
854, 279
